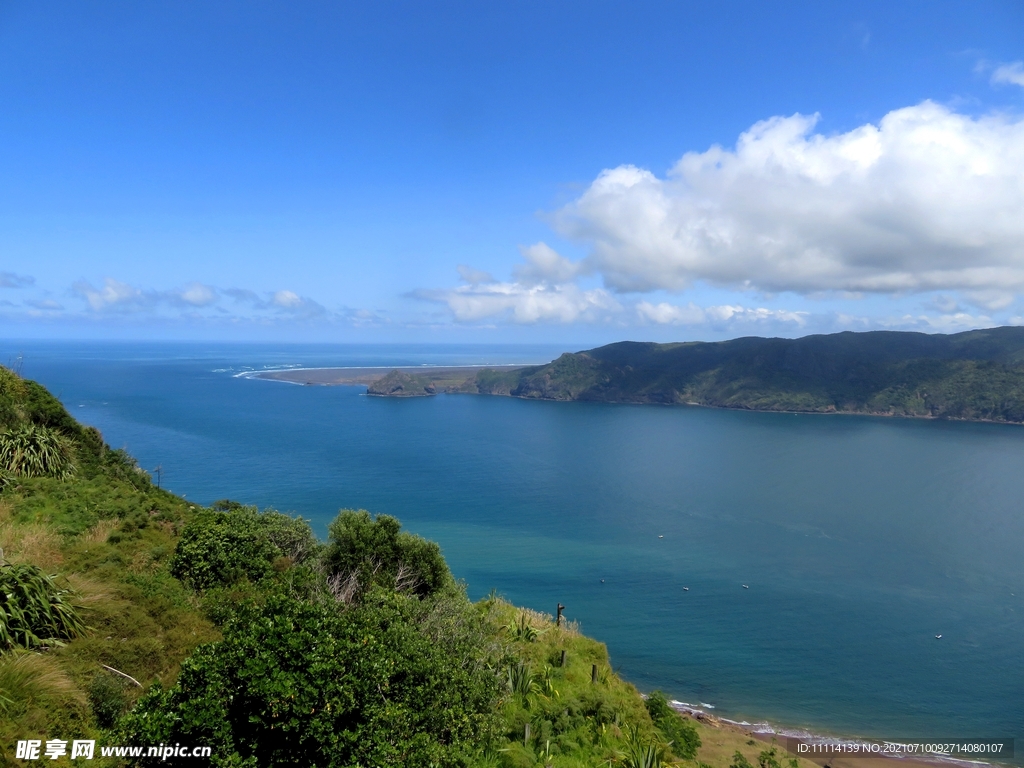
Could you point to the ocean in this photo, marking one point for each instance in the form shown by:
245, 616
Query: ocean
859, 539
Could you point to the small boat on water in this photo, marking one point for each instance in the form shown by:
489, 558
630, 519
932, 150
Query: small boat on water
745, 586
938, 637
686, 589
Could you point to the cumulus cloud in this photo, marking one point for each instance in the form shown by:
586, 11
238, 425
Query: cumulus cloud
1012, 74
665, 313
12, 280
196, 295
283, 301
112, 295
521, 303
197, 301
545, 265
927, 199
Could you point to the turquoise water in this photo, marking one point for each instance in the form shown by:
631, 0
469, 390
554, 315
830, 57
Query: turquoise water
860, 538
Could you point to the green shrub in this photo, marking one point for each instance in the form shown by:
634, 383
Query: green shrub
685, 741
108, 698
295, 683
221, 548
374, 551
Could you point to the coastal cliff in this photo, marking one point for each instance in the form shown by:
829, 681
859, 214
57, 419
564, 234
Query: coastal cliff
976, 375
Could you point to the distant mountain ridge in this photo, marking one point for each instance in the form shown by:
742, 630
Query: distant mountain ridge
975, 375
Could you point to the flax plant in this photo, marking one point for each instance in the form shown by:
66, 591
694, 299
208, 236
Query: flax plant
34, 610
34, 451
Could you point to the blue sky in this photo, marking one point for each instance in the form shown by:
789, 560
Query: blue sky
559, 171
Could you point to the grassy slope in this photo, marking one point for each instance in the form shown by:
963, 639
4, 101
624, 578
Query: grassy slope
107, 533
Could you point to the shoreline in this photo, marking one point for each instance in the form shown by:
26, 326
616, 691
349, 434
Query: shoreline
769, 733
366, 375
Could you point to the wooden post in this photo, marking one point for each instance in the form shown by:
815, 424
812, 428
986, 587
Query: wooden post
563, 659
558, 617
526, 737
593, 673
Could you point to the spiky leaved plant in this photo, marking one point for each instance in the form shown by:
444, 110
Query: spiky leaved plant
521, 681
523, 630
31, 450
639, 752
34, 610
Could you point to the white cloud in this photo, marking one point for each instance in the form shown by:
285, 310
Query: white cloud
197, 295
691, 314
928, 199
946, 323
113, 295
197, 301
544, 265
991, 299
292, 303
286, 299
1012, 73
671, 314
521, 303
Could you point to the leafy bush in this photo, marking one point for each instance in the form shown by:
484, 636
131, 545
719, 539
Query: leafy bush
108, 698
34, 451
295, 683
221, 548
33, 610
374, 551
685, 741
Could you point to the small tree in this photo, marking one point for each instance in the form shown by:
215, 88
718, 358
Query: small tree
377, 551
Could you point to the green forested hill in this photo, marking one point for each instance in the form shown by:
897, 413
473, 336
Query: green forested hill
972, 375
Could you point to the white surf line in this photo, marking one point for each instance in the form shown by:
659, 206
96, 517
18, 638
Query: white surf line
256, 373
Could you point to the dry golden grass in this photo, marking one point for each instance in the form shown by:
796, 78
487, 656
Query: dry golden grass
719, 744
28, 542
27, 676
546, 622
88, 592
99, 532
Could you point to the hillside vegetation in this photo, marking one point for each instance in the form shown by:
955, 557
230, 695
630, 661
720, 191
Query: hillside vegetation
129, 616
977, 375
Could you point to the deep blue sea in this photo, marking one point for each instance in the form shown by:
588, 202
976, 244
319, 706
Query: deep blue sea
859, 538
